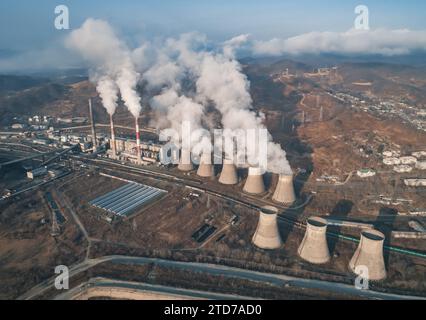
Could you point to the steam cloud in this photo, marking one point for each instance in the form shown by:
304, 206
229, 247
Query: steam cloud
110, 64
181, 76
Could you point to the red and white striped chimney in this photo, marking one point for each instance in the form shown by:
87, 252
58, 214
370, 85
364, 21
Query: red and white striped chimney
113, 144
138, 142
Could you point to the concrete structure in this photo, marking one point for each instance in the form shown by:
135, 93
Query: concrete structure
254, 183
267, 235
185, 163
314, 248
205, 168
138, 142
370, 254
415, 182
229, 173
284, 191
421, 165
92, 124
113, 143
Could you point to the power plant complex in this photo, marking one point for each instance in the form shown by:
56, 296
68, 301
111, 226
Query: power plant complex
312, 249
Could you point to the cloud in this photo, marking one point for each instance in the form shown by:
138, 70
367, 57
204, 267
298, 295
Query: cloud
379, 41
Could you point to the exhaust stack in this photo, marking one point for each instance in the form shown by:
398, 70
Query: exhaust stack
254, 183
138, 142
92, 123
229, 173
113, 143
205, 168
284, 191
369, 254
314, 248
267, 235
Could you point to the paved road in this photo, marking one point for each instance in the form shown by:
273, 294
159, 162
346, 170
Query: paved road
140, 289
213, 269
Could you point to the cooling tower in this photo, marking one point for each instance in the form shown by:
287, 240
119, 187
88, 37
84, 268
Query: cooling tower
267, 235
284, 192
113, 143
205, 168
92, 123
229, 173
138, 142
185, 163
254, 183
314, 248
370, 254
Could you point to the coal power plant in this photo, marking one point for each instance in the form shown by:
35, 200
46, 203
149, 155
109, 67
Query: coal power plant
314, 248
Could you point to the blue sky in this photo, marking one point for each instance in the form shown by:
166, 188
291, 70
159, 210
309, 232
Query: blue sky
28, 24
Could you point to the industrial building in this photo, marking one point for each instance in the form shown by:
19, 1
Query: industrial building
254, 183
314, 248
229, 173
205, 168
127, 199
267, 235
369, 254
284, 191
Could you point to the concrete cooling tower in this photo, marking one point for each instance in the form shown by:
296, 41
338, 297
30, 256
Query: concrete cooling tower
314, 248
254, 183
284, 192
267, 235
205, 168
370, 254
229, 173
185, 163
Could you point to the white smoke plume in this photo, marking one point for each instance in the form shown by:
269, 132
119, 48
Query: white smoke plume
108, 58
108, 91
216, 79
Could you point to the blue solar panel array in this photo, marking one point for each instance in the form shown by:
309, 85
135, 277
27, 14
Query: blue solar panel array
126, 199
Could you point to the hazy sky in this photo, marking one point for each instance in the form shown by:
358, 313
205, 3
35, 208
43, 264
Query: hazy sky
28, 24
29, 40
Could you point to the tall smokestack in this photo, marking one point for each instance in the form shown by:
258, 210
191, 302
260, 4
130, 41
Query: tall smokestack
314, 248
205, 168
92, 123
229, 173
267, 235
369, 254
254, 183
284, 191
113, 144
138, 142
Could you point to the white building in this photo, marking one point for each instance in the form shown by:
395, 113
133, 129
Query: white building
365, 173
402, 168
421, 165
391, 161
408, 160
